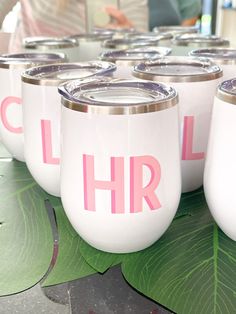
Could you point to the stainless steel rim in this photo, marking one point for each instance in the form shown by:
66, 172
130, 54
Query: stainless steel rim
40, 45
177, 78
106, 110
176, 29
112, 44
155, 38
229, 98
109, 109
200, 44
224, 95
195, 41
91, 37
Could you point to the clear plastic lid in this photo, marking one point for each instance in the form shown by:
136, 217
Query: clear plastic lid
199, 40
24, 60
222, 55
116, 97
126, 43
176, 29
178, 69
132, 56
55, 74
88, 37
114, 30
116, 33
150, 36
227, 91
49, 43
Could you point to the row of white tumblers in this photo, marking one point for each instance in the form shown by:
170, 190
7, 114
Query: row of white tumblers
113, 150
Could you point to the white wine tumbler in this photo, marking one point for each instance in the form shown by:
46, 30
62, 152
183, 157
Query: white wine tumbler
42, 116
90, 45
220, 168
125, 60
11, 125
182, 44
120, 163
195, 80
224, 57
68, 46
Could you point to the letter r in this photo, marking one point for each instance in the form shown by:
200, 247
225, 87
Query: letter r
137, 191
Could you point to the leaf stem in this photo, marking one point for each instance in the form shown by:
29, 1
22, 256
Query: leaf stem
215, 254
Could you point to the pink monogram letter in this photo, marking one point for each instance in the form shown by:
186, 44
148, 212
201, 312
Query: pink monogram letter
116, 185
5, 104
47, 143
137, 191
187, 149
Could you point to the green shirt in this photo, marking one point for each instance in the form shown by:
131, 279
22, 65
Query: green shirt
172, 12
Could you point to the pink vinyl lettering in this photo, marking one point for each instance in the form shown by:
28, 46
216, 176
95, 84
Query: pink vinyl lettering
137, 191
187, 147
4, 106
116, 185
47, 143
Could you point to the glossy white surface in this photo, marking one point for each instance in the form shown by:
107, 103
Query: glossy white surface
42, 103
123, 70
229, 71
195, 101
220, 168
11, 89
88, 51
104, 136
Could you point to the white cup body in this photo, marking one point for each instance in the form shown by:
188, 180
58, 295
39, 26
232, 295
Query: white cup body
195, 107
123, 71
41, 115
11, 126
97, 137
181, 50
164, 43
220, 168
89, 50
229, 71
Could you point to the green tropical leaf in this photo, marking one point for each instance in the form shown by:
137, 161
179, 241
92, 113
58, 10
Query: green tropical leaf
102, 261
70, 264
192, 269
26, 243
99, 260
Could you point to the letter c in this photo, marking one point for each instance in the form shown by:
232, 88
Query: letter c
5, 104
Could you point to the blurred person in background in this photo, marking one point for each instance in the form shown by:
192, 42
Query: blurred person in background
173, 12
67, 17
